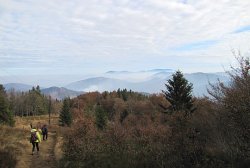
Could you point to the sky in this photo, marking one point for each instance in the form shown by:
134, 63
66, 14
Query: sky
80, 37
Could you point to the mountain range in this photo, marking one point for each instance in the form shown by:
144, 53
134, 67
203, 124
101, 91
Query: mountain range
151, 81
55, 92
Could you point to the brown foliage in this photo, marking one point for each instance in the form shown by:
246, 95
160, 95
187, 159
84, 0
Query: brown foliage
139, 134
118, 144
234, 112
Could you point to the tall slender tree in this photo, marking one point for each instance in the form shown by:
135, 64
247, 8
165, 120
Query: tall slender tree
6, 117
101, 117
179, 93
65, 114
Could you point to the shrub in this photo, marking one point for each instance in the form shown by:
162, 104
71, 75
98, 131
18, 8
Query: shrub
234, 112
7, 159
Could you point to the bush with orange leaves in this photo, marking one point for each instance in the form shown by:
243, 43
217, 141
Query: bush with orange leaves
138, 142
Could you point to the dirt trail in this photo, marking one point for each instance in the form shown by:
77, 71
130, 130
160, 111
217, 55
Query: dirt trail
50, 150
46, 156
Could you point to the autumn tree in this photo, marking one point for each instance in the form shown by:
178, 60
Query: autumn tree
234, 110
179, 93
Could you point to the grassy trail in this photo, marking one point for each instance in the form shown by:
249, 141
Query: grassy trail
46, 156
50, 149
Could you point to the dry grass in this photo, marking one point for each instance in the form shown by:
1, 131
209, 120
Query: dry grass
24, 122
58, 148
15, 140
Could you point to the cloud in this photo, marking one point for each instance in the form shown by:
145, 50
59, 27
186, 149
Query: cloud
196, 46
86, 36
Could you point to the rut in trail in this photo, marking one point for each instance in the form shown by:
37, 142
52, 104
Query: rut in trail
46, 156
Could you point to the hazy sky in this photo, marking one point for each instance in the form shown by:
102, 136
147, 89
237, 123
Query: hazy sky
93, 36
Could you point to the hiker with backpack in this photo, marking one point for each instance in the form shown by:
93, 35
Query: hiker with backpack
35, 139
45, 132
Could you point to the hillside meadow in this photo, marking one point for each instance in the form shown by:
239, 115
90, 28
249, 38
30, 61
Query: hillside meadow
15, 146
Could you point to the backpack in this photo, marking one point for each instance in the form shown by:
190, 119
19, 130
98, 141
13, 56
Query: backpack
44, 130
33, 137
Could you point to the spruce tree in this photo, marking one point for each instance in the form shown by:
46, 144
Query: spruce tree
179, 93
6, 117
124, 94
101, 117
65, 114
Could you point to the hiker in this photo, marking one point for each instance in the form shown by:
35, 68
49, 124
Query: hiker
45, 132
35, 139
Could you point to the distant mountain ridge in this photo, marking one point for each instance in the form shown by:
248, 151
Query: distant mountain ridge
20, 87
60, 92
150, 81
153, 83
55, 92
152, 70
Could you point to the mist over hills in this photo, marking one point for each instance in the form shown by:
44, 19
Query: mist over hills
138, 76
146, 81
150, 81
98, 84
60, 92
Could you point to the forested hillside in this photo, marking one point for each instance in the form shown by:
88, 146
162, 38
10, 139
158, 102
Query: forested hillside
128, 129
32, 102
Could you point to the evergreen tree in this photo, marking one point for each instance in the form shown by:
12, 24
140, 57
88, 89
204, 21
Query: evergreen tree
119, 93
38, 89
6, 117
37, 102
101, 117
125, 94
65, 115
179, 93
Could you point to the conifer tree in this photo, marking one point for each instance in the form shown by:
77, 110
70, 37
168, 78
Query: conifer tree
125, 94
179, 93
65, 114
6, 117
101, 117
